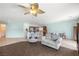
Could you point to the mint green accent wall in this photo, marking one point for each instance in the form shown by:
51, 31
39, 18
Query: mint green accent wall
64, 26
15, 30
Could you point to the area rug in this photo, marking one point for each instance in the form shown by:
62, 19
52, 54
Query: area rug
34, 49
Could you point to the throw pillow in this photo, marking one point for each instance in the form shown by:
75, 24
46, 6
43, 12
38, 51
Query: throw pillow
54, 37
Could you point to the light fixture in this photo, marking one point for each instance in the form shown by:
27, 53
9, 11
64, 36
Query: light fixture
33, 9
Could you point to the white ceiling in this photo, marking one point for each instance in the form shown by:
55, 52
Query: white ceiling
53, 12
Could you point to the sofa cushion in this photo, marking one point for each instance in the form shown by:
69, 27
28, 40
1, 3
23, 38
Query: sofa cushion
54, 37
48, 36
48, 41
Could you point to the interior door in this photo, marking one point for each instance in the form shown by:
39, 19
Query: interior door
2, 31
75, 33
78, 36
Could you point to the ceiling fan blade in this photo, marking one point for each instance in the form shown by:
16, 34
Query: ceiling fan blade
26, 13
40, 11
21, 6
26, 8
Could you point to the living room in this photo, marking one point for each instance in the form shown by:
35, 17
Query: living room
50, 33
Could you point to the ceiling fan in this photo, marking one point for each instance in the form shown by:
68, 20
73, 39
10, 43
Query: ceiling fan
32, 9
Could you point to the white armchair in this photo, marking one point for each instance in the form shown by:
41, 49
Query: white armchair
51, 43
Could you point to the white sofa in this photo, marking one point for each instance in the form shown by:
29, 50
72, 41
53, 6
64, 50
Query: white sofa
54, 44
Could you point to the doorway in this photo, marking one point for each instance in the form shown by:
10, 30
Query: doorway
2, 31
75, 33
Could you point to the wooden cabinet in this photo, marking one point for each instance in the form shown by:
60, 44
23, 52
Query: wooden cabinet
44, 30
